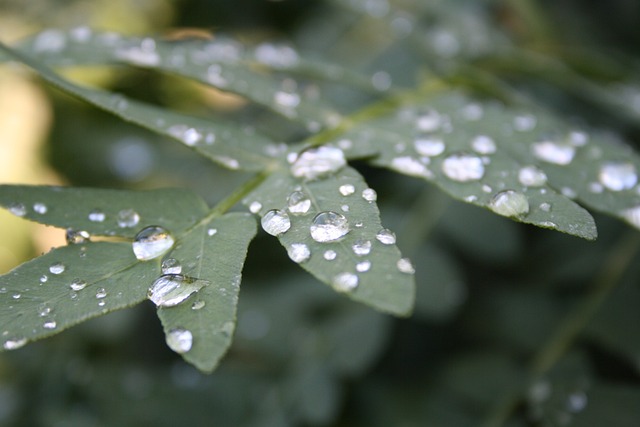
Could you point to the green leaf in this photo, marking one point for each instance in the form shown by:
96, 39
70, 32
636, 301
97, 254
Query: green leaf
382, 285
230, 146
75, 208
35, 302
476, 151
214, 251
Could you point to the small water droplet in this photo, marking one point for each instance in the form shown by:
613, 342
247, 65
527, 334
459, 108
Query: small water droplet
57, 268
345, 282
77, 237
212, 232
347, 189
317, 162
509, 203
344, 208
370, 195
16, 296
152, 242
362, 247
299, 252
472, 112
409, 166
78, 285
618, 176
97, 215
276, 222
286, 100
40, 208
363, 266
483, 144
298, 203
18, 209
329, 226
429, 146
172, 289
44, 278
545, 207
128, 218
14, 343
255, 207
198, 304
50, 324
524, 123
330, 255
568, 192
179, 340
576, 402
404, 266
463, 167
429, 122
552, 152
531, 176
171, 266
386, 237
101, 293
44, 310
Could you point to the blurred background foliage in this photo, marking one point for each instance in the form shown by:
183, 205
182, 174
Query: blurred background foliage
513, 325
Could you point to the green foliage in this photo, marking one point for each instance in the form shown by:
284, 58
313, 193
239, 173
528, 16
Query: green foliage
327, 145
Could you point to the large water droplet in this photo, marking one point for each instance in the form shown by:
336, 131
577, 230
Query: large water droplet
171, 266
152, 242
362, 247
57, 268
171, 289
77, 237
509, 203
128, 218
345, 282
276, 222
97, 215
298, 252
329, 226
14, 343
298, 203
531, 176
317, 162
552, 152
179, 340
463, 167
386, 237
429, 146
618, 176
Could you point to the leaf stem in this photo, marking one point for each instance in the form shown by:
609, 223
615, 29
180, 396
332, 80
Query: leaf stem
576, 320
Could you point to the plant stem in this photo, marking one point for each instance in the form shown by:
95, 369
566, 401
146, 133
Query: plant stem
573, 324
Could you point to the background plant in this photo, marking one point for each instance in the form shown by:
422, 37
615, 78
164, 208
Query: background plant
493, 103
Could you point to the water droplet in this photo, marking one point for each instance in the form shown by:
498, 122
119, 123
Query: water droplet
472, 112
568, 192
57, 268
329, 226
363, 266
409, 166
43, 278
298, 252
96, 215
344, 208
77, 237
552, 152
509, 203
404, 266
128, 218
429, 122
317, 162
463, 167
429, 146
16, 296
524, 123
288, 100
386, 237
345, 282
212, 232
298, 203
576, 402
101, 293
255, 207
347, 189
330, 255
179, 340
50, 324
18, 209
198, 304
171, 289
78, 285
362, 247
40, 208
44, 310
370, 195
531, 176
483, 144
276, 222
14, 343
618, 176
171, 266
152, 242
545, 207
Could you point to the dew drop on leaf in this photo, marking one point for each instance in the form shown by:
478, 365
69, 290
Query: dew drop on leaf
404, 266
276, 222
44, 310
151, 242
171, 266
347, 189
316, 162
370, 195
57, 268
18, 209
329, 255
345, 282
14, 343
179, 340
255, 207
299, 252
463, 167
128, 218
329, 226
101, 293
74, 237
386, 237
78, 285
545, 207
40, 208
531, 176
298, 203
362, 247
524, 123
409, 166
50, 324
97, 215
483, 144
363, 266
618, 176
552, 152
429, 146
198, 304
509, 203
429, 122
212, 232
172, 289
